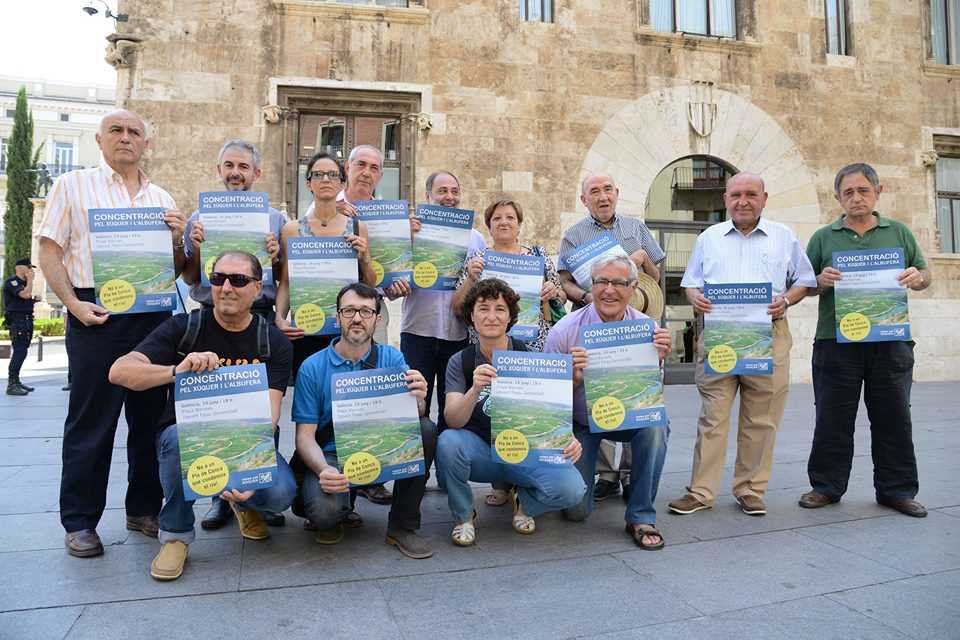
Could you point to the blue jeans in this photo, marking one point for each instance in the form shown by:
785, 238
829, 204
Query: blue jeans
463, 456
176, 516
648, 448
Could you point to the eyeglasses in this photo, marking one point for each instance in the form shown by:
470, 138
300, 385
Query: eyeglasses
620, 283
324, 175
237, 280
349, 312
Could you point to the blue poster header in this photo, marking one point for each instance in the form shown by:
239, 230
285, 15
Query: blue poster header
382, 209
224, 381
530, 364
445, 216
232, 201
612, 334
869, 259
746, 293
315, 247
372, 383
136, 219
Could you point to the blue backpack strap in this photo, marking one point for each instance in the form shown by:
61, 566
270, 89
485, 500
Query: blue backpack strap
190, 335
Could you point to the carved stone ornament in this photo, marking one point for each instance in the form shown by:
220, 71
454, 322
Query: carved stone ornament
701, 109
929, 158
272, 113
117, 53
424, 121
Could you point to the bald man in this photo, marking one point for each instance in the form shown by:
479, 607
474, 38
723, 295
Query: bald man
745, 249
96, 338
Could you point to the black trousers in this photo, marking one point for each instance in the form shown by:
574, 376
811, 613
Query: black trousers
91, 424
408, 493
430, 356
884, 370
20, 326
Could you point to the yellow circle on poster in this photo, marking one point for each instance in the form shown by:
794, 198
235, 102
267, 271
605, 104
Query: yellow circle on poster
608, 413
722, 358
425, 274
208, 265
208, 475
361, 468
117, 295
377, 271
512, 446
310, 318
854, 326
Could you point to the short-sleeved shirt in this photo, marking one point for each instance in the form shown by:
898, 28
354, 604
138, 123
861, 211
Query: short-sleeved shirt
12, 302
770, 253
888, 233
65, 219
268, 295
565, 335
631, 233
429, 313
312, 400
232, 347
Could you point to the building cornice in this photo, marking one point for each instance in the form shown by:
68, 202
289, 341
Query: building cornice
648, 36
371, 13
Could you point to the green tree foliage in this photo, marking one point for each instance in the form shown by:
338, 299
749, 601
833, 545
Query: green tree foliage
21, 186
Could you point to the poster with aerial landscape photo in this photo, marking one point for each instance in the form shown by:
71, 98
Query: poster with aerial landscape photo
871, 305
234, 221
738, 332
440, 247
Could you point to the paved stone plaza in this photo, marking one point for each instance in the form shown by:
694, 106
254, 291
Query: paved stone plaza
852, 570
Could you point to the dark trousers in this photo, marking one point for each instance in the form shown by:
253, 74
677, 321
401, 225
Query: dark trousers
885, 372
91, 424
20, 326
430, 356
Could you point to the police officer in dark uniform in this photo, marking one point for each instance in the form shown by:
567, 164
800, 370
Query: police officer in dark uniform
18, 303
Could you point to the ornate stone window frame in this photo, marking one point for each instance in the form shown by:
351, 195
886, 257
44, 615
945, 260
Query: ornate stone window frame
746, 41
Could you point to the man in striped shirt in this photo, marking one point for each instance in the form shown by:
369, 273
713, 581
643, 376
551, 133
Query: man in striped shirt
96, 338
599, 194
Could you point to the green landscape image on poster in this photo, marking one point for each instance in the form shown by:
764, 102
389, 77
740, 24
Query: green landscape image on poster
881, 306
392, 441
319, 291
447, 258
392, 252
221, 240
636, 387
529, 311
241, 444
148, 272
546, 425
748, 339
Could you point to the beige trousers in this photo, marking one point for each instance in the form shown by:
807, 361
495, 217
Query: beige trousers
762, 401
607, 455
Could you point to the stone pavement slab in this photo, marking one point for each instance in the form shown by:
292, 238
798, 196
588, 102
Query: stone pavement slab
850, 570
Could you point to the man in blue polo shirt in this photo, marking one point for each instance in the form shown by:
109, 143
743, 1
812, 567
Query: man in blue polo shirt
324, 491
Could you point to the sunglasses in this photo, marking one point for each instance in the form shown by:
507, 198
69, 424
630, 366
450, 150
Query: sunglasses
237, 280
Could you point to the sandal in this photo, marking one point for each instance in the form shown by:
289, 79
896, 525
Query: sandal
522, 523
497, 498
641, 531
465, 533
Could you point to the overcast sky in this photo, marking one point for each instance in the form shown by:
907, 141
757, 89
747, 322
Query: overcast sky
56, 40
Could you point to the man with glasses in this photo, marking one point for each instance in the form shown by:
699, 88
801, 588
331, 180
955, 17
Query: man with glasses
747, 248
614, 279
324, 491
229, 334
238, 167
600, 194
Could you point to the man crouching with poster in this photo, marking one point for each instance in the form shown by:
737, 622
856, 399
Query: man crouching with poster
463, 450
324, 496
227, 334
614, 279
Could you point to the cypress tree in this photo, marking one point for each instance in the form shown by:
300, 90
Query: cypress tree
21, 186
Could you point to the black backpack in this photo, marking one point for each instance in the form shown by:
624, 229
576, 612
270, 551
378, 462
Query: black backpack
195, 322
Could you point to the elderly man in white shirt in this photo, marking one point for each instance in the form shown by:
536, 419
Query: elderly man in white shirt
744, 249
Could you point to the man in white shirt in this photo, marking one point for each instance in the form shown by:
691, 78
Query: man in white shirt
744, 249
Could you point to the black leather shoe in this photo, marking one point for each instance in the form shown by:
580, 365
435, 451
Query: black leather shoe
626, 492
218, 515
14, 389
20, 382
605, 489
273, 519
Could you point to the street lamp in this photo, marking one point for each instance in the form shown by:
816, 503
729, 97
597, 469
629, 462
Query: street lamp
119, 17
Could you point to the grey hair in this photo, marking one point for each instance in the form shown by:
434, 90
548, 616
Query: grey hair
863, 168
436, 174
763, 185
243, 145
605, 261
364, 147
583, 183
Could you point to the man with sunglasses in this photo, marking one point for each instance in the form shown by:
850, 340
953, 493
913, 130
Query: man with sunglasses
614, 280
324, 491
238, 166
229, 334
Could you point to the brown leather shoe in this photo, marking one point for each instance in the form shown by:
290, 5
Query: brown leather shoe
752, 505
906, 506
84, 543
687, 505
147, 525
815, 500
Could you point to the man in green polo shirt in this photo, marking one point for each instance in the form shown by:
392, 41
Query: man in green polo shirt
883, 369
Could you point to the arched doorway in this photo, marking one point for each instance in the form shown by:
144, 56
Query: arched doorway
685, 198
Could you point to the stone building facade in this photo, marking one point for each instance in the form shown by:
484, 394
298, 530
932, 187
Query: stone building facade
529, 106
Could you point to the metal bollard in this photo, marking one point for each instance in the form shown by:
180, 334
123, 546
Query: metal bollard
39, 348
